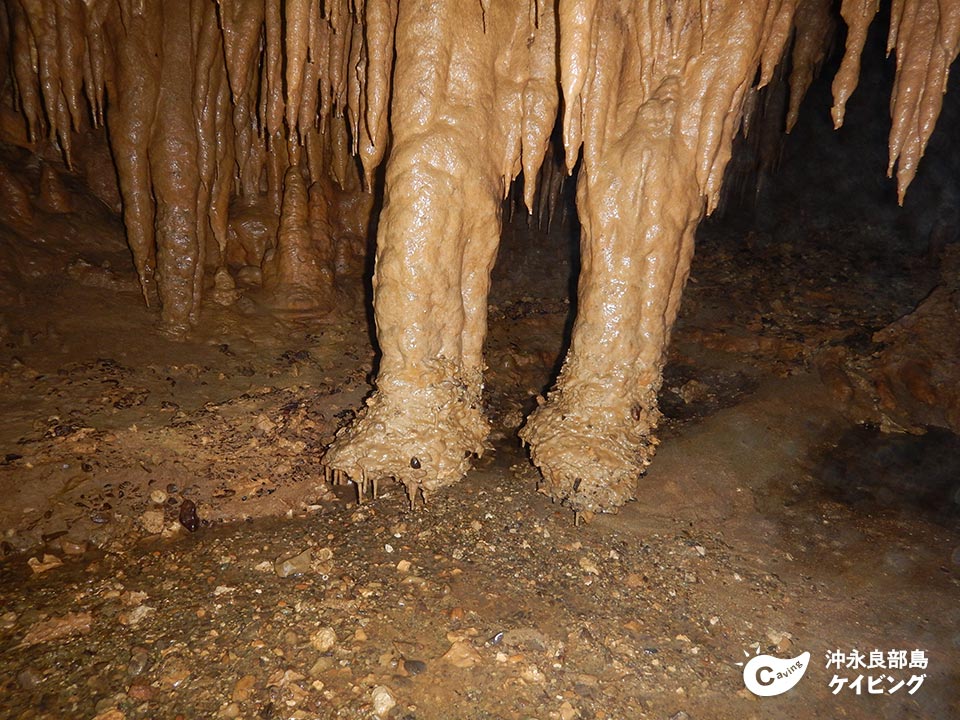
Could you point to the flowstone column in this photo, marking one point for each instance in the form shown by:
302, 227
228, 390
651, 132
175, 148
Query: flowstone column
456, 114
639, 208
654, 92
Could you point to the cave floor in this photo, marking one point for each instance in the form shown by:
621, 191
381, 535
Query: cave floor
171, 549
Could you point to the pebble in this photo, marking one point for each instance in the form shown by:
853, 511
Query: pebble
111, 713
139, 661
589, 566
70, 547
296, 565
47, 563
28, 678
414, 667
533, 674
158, 497
321, 666
188, 515
383, 701
323, 639
780, 638
462, 655
152, 521
243, 688
135, 615
140, 690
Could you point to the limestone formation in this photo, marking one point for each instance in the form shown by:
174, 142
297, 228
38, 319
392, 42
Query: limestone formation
210, 105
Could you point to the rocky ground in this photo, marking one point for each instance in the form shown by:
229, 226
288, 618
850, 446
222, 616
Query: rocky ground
172, 549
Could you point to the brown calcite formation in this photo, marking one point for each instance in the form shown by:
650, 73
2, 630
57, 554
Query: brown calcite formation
202, 101
646, 180
474, 100
54, 196
208, 105
298, 274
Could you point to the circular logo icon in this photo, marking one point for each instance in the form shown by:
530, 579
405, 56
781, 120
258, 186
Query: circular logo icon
766, 675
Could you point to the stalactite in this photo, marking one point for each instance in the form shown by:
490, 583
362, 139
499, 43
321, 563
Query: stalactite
814, 27
857, 14
380, 20
926, 37
297, 31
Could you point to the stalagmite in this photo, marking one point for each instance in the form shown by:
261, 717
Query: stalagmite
296, 274
221, 114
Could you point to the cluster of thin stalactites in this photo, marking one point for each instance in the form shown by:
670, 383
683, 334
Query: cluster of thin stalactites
260, 86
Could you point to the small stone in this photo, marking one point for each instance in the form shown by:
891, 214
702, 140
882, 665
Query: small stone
265, 424
28, 678
139, 661
47, 563
414, 667
56, 628
403, 566
174, 678
152, 521
135, 615
141, 690
324, 639
780, 638
242, 688
567, 711
111, 713
383, 701
321, 666
589, 566
188, 515
462, 655
533, 674
296, 565
70, 547
158, 497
